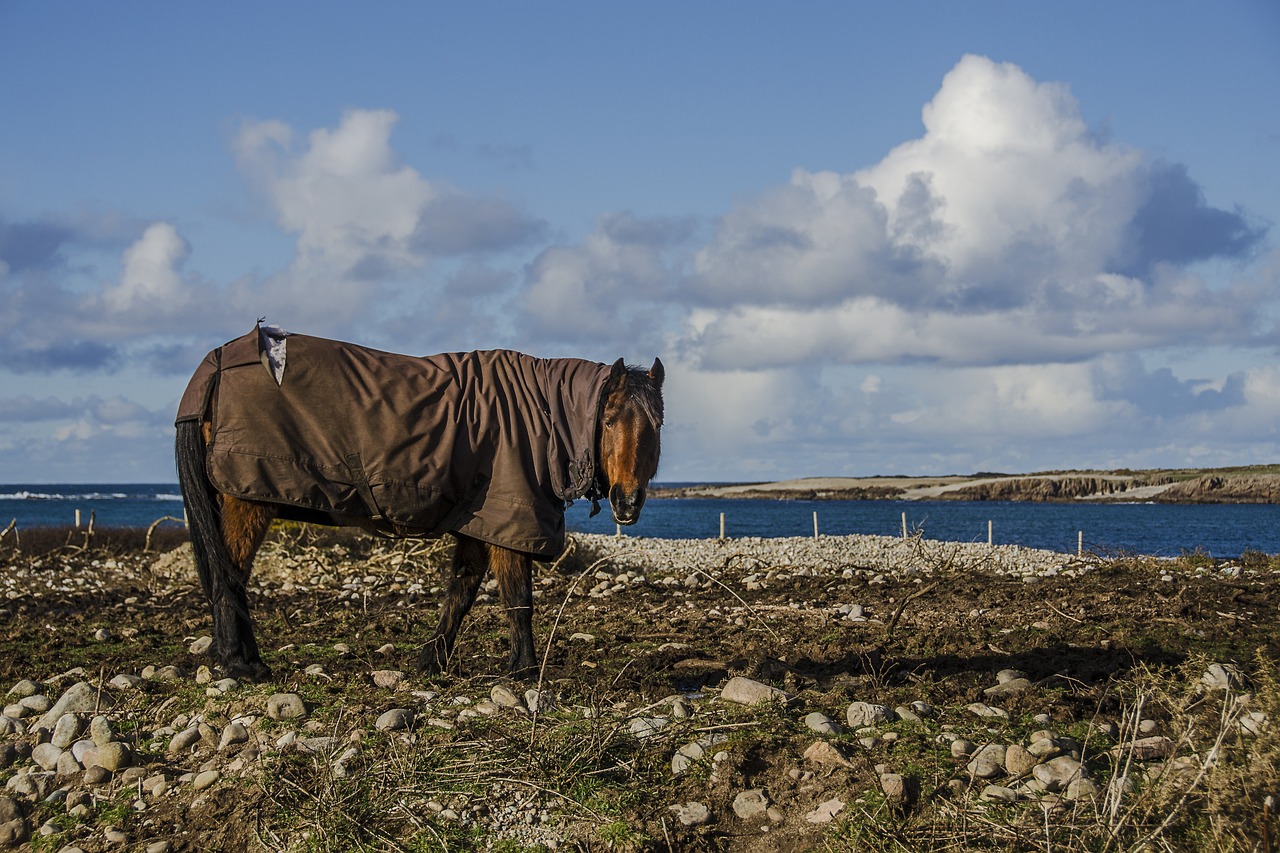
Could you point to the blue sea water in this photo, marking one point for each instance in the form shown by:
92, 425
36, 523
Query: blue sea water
1159, 529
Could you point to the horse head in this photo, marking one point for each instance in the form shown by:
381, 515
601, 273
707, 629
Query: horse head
630, 436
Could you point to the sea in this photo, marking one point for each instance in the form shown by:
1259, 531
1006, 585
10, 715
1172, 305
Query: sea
1218, 530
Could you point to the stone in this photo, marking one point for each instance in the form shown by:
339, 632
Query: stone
100, 730
961, 748
205, 779
505, 697
1018, 761
200, 645
692, 814
115, 756
751, 803
9, 809
286, 706
24, 688
233, 735
66, 730
980, 709
825, 812
185, 740
1144, 749
1081, 789
14, 833
1044, 746
998, 794
987, 762
745, 691
394, 720
894, 786
860, 715
821, 723
1057, 773
388, 679
1008, 688
646, 727
539, 702
79, 698
46, 755
827, 753
1222, 676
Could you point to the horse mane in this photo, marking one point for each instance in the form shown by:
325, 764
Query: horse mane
638, 389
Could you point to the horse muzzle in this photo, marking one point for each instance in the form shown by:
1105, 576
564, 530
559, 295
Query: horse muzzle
626, 506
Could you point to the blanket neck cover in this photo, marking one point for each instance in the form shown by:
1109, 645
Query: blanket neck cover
489, 444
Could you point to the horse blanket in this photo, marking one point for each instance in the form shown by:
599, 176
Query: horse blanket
489, 444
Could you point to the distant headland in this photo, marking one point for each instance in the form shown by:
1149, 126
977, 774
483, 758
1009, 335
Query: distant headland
1257, 484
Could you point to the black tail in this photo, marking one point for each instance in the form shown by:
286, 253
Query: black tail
213, 560
234, 645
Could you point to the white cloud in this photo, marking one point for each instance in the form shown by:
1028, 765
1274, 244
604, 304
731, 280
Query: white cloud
151, 279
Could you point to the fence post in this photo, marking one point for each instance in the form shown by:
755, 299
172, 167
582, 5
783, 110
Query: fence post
77, 517
722, 526
990, 539
815, 525
904, 525
1079, 543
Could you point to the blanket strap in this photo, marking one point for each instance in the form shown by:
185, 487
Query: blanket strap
361, 481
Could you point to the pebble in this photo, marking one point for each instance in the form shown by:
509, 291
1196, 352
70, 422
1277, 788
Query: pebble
394, 720
982, 710
745, 691
646, 727
1057, 773
821, 723
286, 706
862, 715
505, 697
751, 803
825, 752
80, 698
692, 814
389, 679
825, 812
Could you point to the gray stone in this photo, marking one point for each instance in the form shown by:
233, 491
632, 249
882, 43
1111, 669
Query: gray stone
185, 740
8, 755
9, 809
961, 748
982, 710
505, 697
14, 833
200, 645
745, 691
80, 698
539, 702
645, 727
1057, 773
1081, 789
987, 762
66, 730
397, 719
1004, 676
38, 703
1144, 749
824, 752
894, 786
100, 730
825, 812
863, 714
1222, 676
46, 755
67, 765
233, 735
205, 779
692, 814
751, 803
25, 688
998, 794
821, 723
1008, 688
286, 706
38, 784
388, 679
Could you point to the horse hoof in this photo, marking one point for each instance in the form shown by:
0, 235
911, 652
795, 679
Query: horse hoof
257, 672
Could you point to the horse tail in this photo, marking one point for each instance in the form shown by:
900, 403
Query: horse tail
209, 546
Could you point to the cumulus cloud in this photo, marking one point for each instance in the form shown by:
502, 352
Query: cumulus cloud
1007, 233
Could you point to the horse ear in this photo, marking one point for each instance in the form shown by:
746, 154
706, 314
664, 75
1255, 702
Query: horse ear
619, 369
657, 373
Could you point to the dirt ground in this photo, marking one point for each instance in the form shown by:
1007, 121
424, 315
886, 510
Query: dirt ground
938, 638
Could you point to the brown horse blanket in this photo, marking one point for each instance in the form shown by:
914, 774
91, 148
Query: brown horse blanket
489, 444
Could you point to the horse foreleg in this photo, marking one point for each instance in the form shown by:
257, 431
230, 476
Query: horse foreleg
514, 573
244, 524
470, 561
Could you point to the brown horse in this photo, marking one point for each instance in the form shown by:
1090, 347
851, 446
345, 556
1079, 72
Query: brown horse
523, 437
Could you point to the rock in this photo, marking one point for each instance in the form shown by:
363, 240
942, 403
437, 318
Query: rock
825, 752
961, 748
981, 710
233, 735
1222, 676
80, 698
397, 719
1044, 745
822, 724
115, 756
1004, 676
286, 706
205, 779
46, 755
987, 762
25, 688
14, 833
100, 730
9, 809
1252, 724
505, 697
1144, 749
825, 812
38, 784
1057, 773
751, 803
159, 847
1018, 761
389, 679
692, 814
200, 645
580, 637
1081, 789
895, 789
745, 691
680, 709
1008, 688
860, 715
66, 730
539, 702
645, 727
8, 755
998, 794
185, 740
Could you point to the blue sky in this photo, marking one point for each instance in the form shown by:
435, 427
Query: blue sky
901, 238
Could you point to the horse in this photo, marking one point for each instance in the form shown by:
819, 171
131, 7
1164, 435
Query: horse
488, 447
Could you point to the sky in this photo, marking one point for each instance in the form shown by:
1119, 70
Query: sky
864, 238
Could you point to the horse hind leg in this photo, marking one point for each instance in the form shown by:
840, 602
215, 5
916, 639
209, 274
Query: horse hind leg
514, 573
470, 561
244, 524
